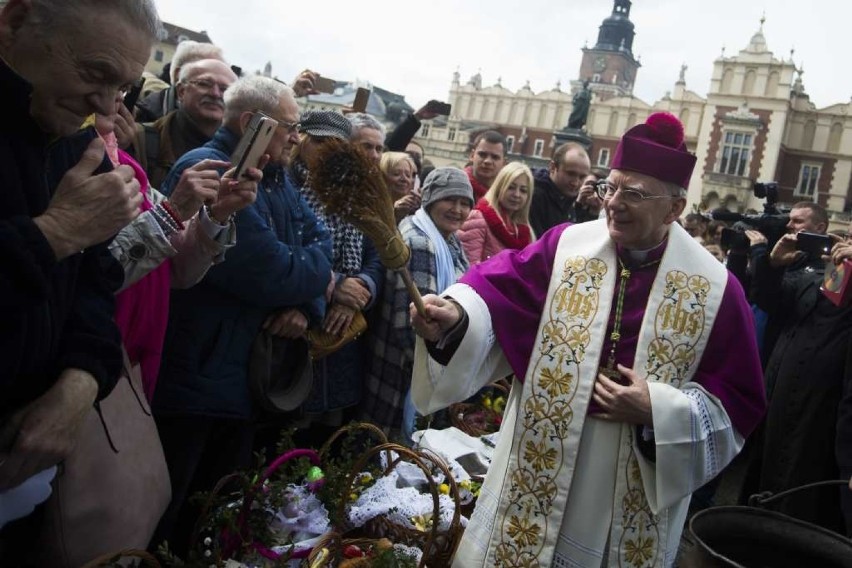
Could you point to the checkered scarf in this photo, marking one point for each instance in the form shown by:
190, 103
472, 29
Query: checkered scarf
348, 242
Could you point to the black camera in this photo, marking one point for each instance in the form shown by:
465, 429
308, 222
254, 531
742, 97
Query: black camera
772, 222
767, 191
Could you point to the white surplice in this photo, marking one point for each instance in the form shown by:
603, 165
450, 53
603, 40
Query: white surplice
558, 468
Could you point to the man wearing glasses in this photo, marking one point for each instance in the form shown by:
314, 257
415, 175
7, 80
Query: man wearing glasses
200, 91
280, 266
616, 415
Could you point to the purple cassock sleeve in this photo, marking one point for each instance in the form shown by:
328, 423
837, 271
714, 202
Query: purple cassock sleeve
514, 285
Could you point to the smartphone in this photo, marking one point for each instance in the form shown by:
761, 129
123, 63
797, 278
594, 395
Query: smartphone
133, 94
439, 108
253, 144
362, 97
814, 244
324, 85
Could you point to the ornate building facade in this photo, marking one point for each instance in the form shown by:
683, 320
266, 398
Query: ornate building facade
756, 123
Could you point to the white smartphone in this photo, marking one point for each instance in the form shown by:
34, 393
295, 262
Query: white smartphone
253, 144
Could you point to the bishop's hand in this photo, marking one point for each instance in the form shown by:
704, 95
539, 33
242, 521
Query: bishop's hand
630, 402
442, 314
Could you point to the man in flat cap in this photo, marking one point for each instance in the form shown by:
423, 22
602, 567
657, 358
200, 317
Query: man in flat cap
615, 416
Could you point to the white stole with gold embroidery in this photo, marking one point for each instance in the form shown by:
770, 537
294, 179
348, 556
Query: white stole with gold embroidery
519, 516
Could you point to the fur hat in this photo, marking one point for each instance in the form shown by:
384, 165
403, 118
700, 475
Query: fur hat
325, 123
656, 149
443, 183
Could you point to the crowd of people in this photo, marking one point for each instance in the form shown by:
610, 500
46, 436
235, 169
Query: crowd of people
645, 349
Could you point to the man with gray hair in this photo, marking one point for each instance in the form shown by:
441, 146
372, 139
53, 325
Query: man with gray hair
274, 278
161, 103
59, 202
368, 133
200, 89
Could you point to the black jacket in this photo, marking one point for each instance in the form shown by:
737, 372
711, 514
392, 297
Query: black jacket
156, 105
550, 207
806, 375
55, 315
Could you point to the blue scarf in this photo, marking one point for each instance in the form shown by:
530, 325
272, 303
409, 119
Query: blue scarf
443, 257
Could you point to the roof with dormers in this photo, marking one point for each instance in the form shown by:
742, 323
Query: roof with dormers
176, 34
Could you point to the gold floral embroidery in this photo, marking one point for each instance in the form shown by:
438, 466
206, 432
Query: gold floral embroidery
523, 531
547, 414
679, 325
555, 383
540, 456
638, 551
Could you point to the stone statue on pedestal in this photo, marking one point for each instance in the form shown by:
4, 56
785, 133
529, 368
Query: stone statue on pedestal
580, 110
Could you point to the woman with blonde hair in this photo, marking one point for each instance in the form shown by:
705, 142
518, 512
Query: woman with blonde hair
399, 171
501, 218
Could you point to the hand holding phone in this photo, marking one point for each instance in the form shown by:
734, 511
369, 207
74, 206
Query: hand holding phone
815, 244
432, 109
362, 97
253, 144
324, 84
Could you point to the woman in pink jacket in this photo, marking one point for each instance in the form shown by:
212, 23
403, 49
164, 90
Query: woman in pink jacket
501, 218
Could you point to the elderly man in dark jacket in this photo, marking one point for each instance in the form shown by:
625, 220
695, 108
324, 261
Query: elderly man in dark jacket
275, 277
59, 347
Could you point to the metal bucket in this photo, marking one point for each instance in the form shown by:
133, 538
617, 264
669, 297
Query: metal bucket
749, 537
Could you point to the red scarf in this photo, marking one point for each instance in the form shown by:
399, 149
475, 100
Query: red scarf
479, 190
498, 227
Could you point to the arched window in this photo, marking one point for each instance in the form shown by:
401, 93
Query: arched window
684, 118
772, 84
748, 84
808, 135
613, 124
835, 136
727, 79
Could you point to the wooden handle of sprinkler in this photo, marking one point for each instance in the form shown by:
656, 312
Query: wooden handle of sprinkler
413, 291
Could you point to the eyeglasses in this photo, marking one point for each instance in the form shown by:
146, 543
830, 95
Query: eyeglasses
290, 127
207, 84
605, 189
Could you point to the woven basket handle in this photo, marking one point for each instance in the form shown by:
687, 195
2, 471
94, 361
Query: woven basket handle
312, 455
376, 432
420, 459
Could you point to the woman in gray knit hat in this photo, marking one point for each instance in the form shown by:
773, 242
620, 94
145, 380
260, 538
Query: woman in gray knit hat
437, 260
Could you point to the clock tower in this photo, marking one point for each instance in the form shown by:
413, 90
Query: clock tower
609, 66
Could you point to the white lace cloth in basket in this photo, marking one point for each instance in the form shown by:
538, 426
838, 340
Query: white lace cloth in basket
401, 495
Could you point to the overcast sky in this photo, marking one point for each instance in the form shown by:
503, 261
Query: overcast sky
412, 48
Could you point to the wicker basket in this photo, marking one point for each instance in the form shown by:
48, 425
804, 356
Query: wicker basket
328, 551
225, 544
348, 430
438, 546
463, 415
